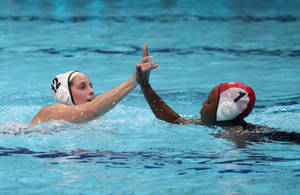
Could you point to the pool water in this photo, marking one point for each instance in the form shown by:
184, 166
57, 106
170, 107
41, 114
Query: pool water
128, 151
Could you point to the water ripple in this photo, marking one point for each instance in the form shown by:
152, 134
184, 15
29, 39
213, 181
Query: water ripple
157, 18
290, 100
158, 158
134, 50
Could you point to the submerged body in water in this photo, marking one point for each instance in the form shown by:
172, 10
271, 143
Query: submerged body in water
248, 133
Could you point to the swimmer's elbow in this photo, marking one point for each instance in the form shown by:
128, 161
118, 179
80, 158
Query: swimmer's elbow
183, 121
180, 121
176, 121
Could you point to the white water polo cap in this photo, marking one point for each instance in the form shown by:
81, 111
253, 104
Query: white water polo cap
235, 101
61, 88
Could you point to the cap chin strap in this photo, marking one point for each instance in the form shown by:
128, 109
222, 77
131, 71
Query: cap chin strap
69, 86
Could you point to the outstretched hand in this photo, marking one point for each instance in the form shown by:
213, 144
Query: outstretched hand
143, 69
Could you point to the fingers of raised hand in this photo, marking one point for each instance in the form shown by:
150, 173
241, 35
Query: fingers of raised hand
146, 59
145, 51
148, 66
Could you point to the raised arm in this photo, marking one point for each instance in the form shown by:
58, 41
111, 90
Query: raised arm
87, 111
159, 108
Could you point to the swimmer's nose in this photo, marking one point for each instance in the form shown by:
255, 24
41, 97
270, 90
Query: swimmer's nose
91, 93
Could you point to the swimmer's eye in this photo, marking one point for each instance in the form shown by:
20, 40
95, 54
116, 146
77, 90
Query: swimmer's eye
207, 102
82, 86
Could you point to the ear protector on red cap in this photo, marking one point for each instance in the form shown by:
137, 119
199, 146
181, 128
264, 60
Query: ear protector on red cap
235, 101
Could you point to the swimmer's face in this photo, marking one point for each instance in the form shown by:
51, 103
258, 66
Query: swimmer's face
82, 89
209, 108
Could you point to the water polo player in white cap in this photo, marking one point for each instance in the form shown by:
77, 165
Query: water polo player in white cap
226, 106
74, 91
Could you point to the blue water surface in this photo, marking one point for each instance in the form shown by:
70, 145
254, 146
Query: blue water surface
197, 44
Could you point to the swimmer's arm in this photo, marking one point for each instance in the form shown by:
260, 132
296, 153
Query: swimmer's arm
159, 108
162, 111
184, 121
87, 111
106, 101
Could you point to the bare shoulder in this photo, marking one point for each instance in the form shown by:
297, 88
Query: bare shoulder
51, 112
54, 109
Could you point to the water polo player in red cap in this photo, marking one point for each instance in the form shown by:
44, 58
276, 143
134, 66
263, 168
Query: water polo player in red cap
226, 106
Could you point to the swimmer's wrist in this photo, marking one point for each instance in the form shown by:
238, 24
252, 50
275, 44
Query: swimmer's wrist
134, 80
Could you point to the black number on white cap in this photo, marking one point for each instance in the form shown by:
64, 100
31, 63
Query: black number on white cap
239, 97
55, 85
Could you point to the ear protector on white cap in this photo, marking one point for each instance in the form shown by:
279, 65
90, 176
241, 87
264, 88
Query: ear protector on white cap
60, 87
235, 101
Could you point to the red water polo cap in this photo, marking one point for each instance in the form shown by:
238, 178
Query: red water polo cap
235, 101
